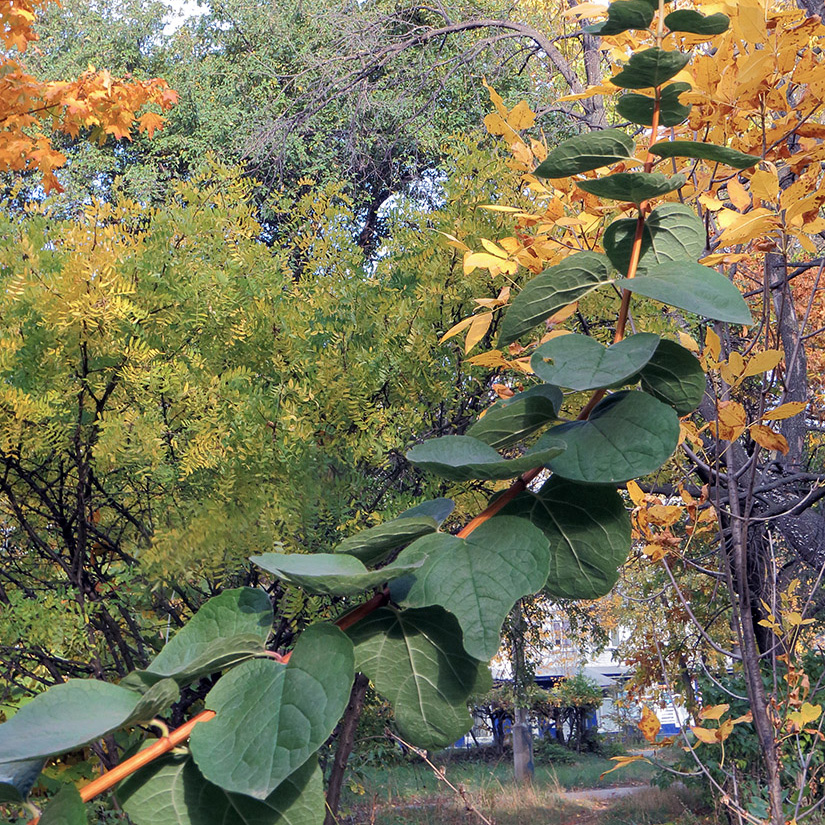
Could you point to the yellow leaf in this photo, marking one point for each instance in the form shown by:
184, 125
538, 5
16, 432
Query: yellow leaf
762, 362
453, 241
604, 89
635, 493
747, 718
649, 724
711, 203
736, 364
713, 346
456, 328
704, 735
767, 438
738, 195
491, 360
743, 228
478, 329
563, 314
795, 619
521, 116
714, 711
765, 185
749, 23
586, 10
496, 125
498, 102
621, 762
788, 410
492, 207
731, 420
655, 552
664, 515
493, 249
687, 342
522, 154
806, 714
487, 261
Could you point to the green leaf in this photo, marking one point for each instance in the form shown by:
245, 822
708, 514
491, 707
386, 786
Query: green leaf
416, 660
333, 574
65, 717
228, 629
172, 791
588, 529
687, 20
438, 509
477, 579
462, 458
633, 187
580, 362
650, 68
628, 434
155, 700
693, 287
370, 546
556, 287
65, 808
675, 376
672, 232
639, 108
622, 16
510, 420
584, 153
18, 778
272, 717
704, 151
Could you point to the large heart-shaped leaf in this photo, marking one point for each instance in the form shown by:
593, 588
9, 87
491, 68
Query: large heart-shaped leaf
228, 629
633, 187
628, 434
437, 508
478, 579
172, 791
18, 778
65, 717
649, 68
65, 808
584, 153
580, 362
511, 420
588, 529
461, 458
688, 20
334, 574
672, 232
704, 151
272, 717
675, 376
416, 660
622, 16
557, 287
693, 287
370, 546
639, 108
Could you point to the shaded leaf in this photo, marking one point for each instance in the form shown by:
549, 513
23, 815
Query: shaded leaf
172, 791
628, 434
416, 660
633, 187
639, 108
334, 574
584, 153
18, 778
622, 16
672, 232
650, 68
675, 376
767, 438
271, 718
478, 579
580, 362
589, 533
370, 546
65, 808
437, 509
556, 287
155, 700
687, 20
704, 151
693, 287
462, 458
510, 420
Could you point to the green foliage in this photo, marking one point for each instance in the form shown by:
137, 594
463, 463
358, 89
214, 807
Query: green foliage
635, 187
65, 808
511, 420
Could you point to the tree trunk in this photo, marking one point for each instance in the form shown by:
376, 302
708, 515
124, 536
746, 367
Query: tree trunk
523, 768
346, 741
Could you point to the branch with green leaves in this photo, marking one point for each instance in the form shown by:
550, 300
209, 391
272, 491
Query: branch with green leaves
425, 638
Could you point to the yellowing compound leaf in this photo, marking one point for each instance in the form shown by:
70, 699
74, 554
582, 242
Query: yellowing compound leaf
456, 328
767, 438
493, 249
478, 329
649, 724
593, 91
788, 410
687, 342
741, 229
496, 124
491, 360
762, 362
738, 195
498, 101
487, 261
765, 185
713, 345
